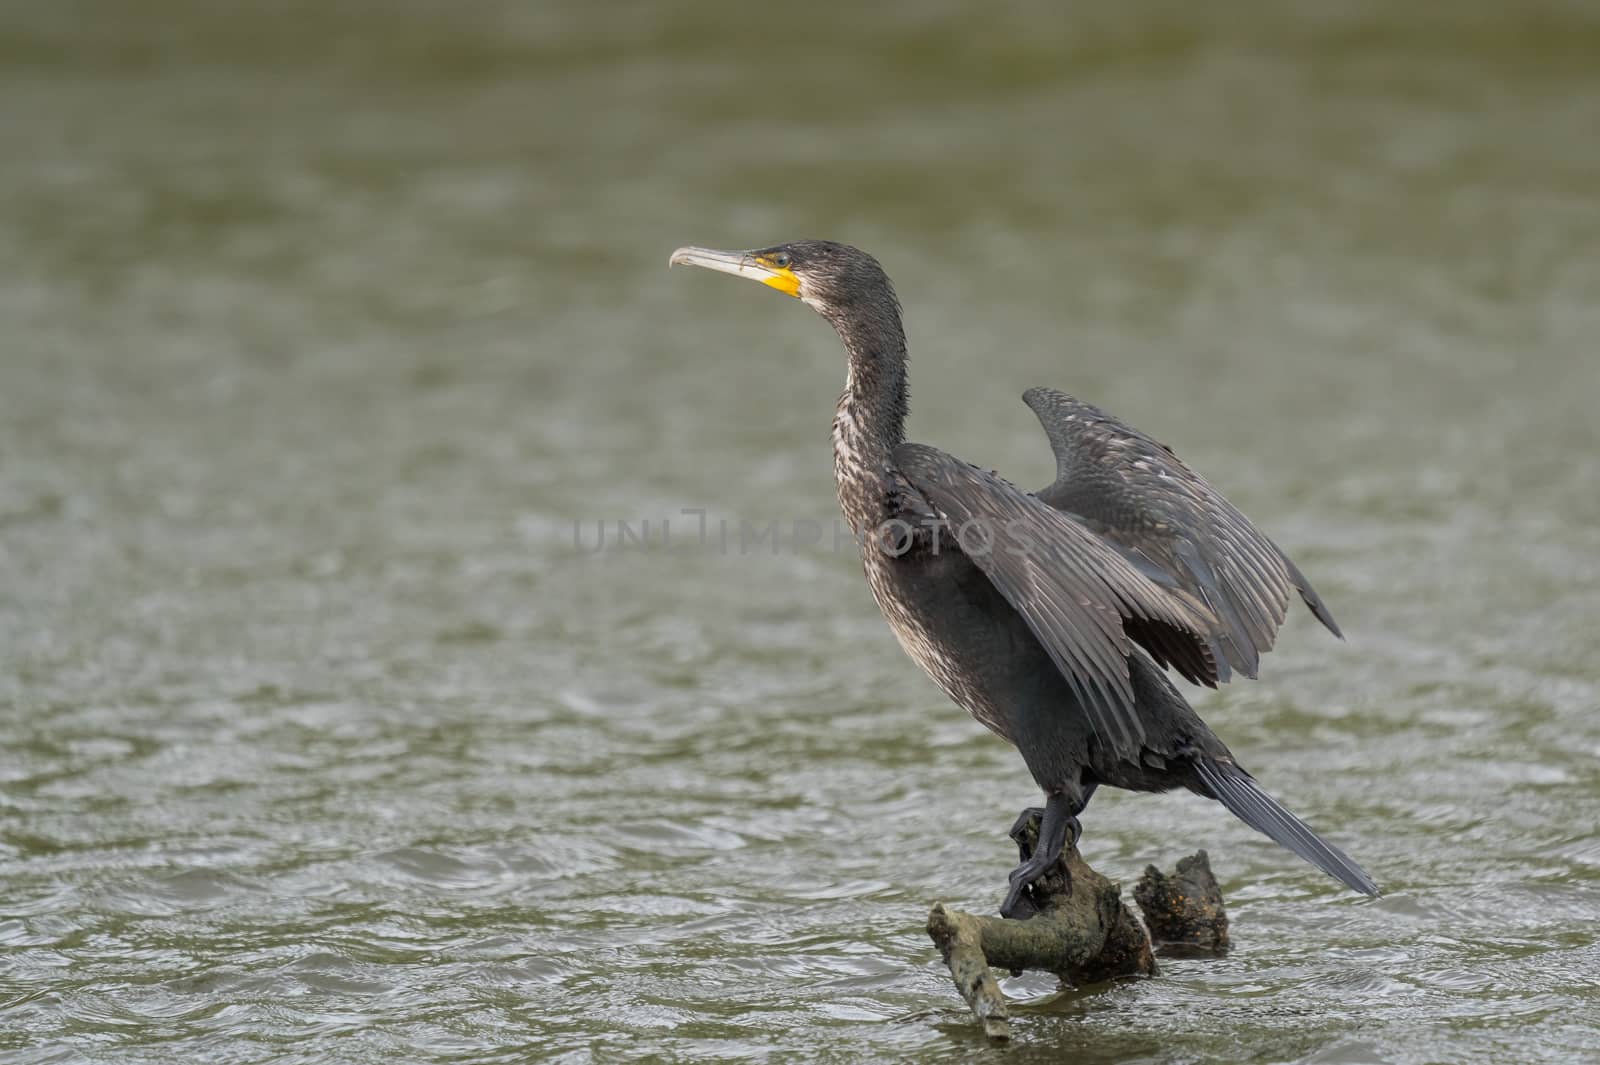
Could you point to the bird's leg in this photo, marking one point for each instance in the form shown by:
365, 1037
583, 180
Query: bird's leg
1019, 827
1083, 801
1054, 825
1068, 809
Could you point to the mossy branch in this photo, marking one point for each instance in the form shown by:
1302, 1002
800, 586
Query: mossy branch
1080, 931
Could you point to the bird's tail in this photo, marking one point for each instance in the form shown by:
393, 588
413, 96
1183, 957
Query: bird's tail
1243, 797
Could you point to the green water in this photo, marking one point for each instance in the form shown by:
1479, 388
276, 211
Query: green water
322, 326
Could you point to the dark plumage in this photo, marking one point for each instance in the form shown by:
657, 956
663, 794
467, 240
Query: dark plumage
1049, 615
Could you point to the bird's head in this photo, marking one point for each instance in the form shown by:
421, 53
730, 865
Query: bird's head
832, 278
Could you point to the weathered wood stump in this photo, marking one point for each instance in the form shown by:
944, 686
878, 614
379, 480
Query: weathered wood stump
1080, 931
1184, 911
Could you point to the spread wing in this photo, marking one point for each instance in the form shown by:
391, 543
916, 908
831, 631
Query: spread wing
1082, 600
1172, 525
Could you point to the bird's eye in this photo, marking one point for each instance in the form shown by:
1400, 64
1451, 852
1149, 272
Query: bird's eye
781, 260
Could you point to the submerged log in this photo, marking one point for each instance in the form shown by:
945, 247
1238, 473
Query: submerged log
1080, 931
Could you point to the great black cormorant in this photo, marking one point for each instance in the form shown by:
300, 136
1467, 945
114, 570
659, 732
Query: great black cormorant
1049, 614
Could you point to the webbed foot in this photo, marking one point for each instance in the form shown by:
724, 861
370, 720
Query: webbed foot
1055, 822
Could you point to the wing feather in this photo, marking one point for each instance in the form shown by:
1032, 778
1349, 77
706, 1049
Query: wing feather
1079, 596
1142, 498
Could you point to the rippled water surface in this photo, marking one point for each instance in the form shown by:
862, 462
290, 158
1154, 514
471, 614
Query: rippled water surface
326, 326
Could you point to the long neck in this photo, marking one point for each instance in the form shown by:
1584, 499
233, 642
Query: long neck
870, 422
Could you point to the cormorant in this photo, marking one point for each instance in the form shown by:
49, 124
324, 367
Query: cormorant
1049, 615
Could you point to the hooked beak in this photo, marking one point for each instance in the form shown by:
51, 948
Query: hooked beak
741, 264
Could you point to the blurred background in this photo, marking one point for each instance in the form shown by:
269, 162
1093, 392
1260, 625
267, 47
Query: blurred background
326, 326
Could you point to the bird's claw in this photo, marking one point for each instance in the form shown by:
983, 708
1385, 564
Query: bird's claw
1019, 830
1019, 902
1041, 836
